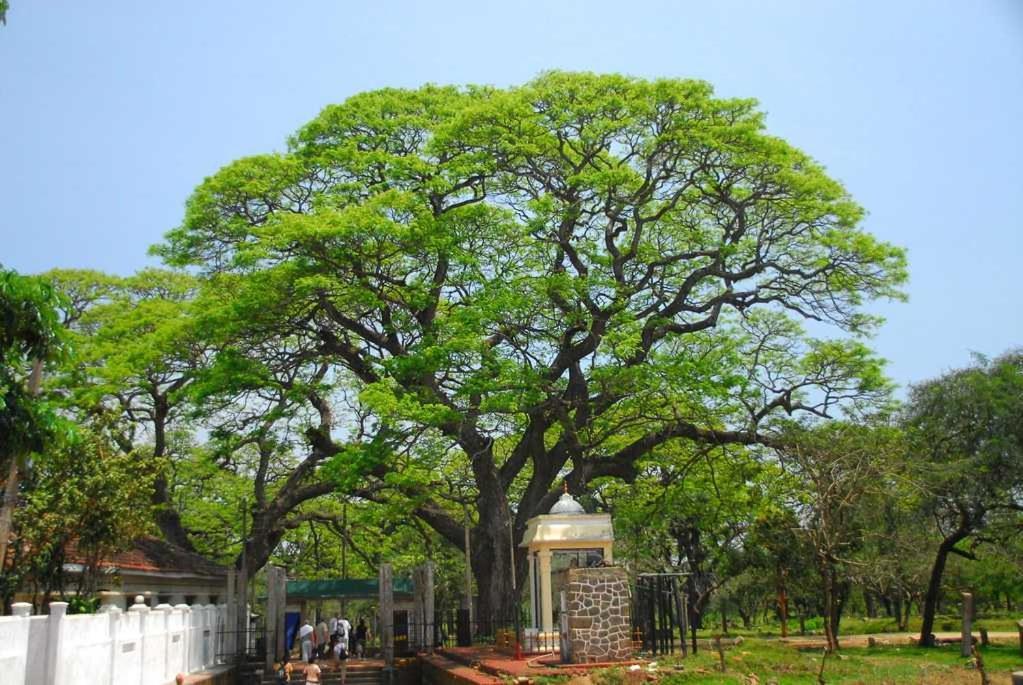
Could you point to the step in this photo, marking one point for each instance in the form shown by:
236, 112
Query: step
358, 678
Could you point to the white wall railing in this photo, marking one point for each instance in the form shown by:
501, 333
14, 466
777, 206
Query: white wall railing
140, 646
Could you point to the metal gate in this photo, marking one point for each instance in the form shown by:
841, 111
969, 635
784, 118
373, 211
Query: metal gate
659, 609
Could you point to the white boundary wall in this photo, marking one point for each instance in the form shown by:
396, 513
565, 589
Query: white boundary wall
141, 646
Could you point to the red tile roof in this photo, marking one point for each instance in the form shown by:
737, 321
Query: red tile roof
152, 555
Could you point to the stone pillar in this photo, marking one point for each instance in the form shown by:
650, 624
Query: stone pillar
608, 556
387, 623
276, 600
598, 615
546, 604
967, 640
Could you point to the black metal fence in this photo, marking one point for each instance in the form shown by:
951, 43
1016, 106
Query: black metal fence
455, 628
658, 610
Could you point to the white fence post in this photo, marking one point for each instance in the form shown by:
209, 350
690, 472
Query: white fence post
186, 636
53, 653
14, 640
142, 610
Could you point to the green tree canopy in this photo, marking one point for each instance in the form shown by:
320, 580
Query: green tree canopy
550, 281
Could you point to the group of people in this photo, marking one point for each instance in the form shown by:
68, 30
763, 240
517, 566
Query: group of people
334, 640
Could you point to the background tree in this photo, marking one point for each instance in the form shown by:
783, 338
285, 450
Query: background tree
81, 495
138, 352
554, 279
30, 335
967, 457
840, 470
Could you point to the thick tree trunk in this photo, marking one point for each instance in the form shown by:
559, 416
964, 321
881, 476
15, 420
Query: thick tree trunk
492, 569
168, 520
930, 606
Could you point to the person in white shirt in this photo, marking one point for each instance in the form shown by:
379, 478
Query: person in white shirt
345, 631
305, 637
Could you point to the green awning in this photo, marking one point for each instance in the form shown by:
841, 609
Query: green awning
352, 588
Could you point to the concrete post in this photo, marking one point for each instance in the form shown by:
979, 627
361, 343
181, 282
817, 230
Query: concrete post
387, 623
232, 612
276, 591
186, 623
163, 612
242, 618
967, 639
429, 621
114, 614
53, 629
139, 607
546, 603
534, 620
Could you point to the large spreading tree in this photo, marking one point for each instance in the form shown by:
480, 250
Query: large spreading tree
528, 285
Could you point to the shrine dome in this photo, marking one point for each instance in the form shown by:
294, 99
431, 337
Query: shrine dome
566, 504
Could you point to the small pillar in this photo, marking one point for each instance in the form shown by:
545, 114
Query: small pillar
967, 635
21, 609
53, 625
109, 600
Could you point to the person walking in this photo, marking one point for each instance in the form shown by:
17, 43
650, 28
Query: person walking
312, 672
361, 635
344, 626
341, 659
307, 638
322, 638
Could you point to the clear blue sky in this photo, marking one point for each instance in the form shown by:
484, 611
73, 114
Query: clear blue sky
112, 111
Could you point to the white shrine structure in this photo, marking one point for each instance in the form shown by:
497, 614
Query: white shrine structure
565, 538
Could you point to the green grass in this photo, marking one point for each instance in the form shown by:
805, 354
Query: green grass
773, 662
863, 626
